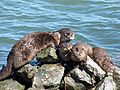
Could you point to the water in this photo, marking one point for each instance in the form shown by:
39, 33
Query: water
96, 22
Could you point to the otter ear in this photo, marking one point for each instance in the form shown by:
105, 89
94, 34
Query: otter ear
56, 36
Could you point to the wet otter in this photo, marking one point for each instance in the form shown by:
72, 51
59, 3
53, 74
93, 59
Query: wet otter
65, 46
80, 52
26, 48
66, 34
64, 51
99, 55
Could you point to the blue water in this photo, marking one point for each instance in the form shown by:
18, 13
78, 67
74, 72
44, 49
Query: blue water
96, 22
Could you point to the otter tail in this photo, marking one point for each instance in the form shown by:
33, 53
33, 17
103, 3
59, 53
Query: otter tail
6, 70
5, 73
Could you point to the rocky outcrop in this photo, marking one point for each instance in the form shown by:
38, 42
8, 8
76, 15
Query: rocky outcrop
51, 75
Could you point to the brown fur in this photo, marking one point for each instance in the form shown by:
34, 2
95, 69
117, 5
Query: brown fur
67, 33
26, 49
80, 52
101, 57
64, 51
65, 46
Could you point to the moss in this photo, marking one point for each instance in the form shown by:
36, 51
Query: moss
47, 55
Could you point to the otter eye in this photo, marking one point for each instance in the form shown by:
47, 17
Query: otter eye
82, 48
77, 49
67, 34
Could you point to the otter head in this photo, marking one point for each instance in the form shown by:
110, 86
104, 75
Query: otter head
79, 52
66, 34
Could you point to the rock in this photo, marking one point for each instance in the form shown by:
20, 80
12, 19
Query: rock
47, 56
26, 73
32, 89
35, 89
70, 84
79, 75
50, 75
106, 84
11, 85
28, 70
95, 68
37, 83
116, 77
84, 77
54, 77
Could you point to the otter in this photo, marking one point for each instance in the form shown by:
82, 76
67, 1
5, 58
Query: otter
65, 46
27, 47
80, 51
103, 59
64, 51
99, 55
67, 35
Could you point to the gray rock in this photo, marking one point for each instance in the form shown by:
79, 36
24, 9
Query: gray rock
116, 77
11, 85
50, 75
70, 84
27, 71
95, 68
37, 82
35, 89
106, 84
81, 76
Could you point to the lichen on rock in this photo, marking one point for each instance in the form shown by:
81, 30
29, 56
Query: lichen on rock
47, 55
10, 84
50, 75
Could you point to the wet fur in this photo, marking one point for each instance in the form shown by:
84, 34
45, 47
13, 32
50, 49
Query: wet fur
64, 52
80, 52
99, 55
68, 35
26, 49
